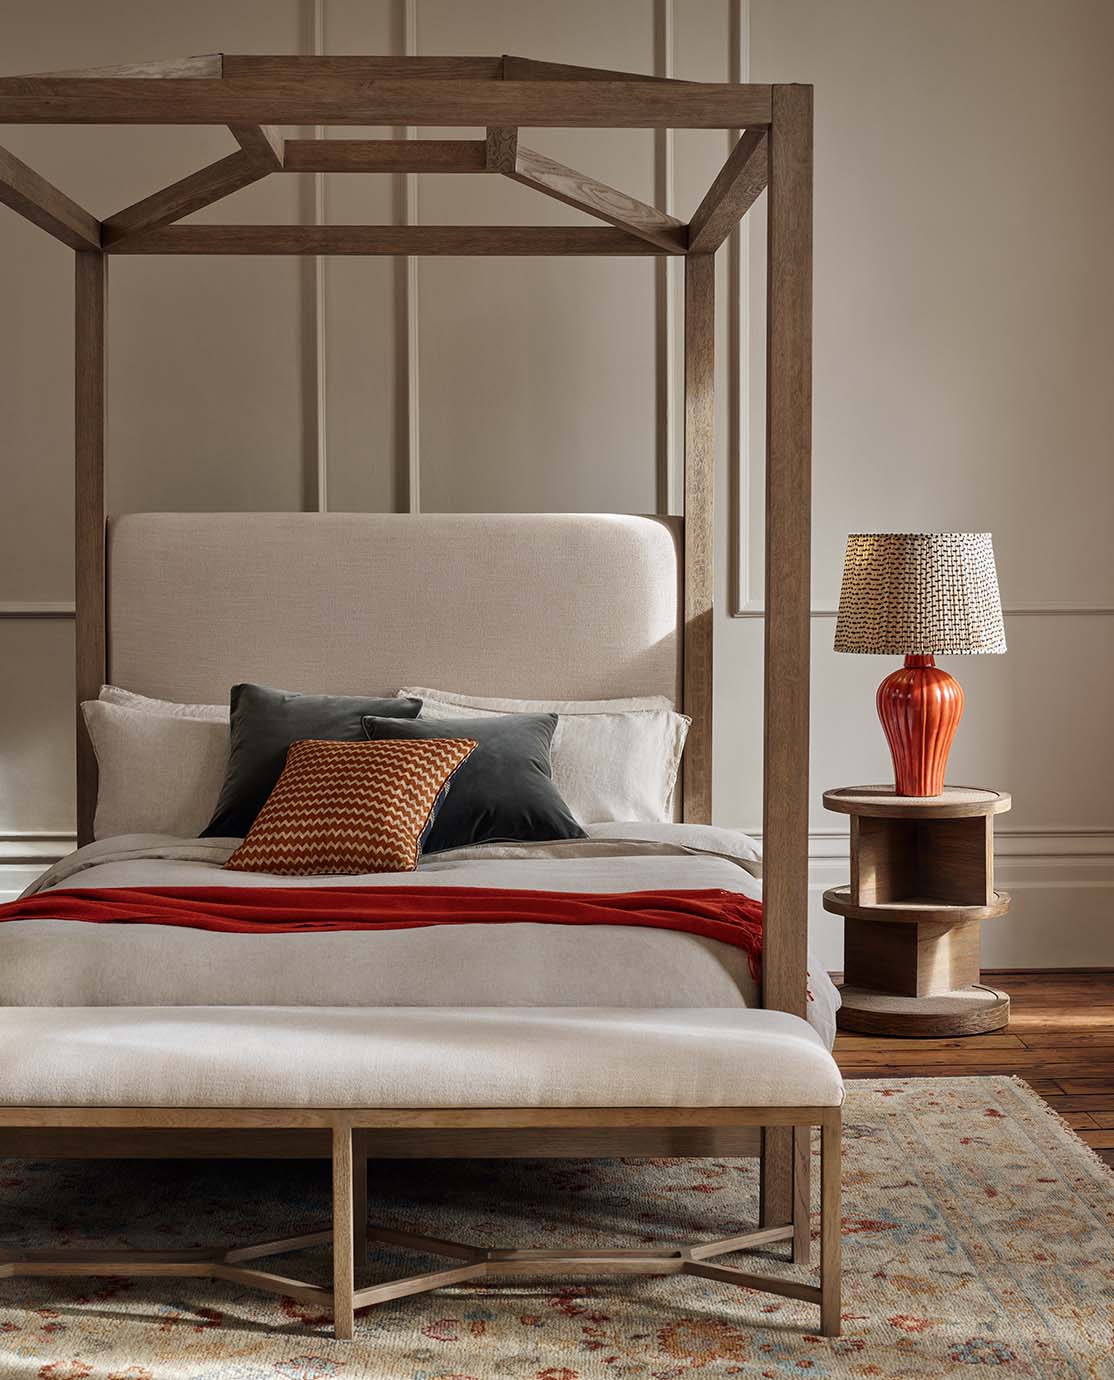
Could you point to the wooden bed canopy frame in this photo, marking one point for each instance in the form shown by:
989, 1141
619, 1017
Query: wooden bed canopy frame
250, 94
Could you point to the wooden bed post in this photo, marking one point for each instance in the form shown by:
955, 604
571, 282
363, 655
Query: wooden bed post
699, 576
788, 496
90, 285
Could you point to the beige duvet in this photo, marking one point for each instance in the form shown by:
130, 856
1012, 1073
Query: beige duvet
62, 963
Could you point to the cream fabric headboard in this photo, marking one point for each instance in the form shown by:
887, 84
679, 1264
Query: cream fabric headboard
556, 606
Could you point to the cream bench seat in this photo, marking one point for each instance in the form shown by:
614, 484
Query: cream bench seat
273, 1056
355, 1070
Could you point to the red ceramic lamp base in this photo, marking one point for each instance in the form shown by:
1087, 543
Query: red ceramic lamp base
920, 708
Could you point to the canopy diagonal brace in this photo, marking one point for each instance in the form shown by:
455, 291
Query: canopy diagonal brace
737, 187
597, 199
201, 188
262, 143
40, 202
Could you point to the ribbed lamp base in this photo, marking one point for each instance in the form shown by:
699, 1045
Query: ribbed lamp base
920, 707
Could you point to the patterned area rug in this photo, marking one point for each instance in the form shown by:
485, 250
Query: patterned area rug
979, 1233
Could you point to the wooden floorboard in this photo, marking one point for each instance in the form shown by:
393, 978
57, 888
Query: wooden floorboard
1060, 1039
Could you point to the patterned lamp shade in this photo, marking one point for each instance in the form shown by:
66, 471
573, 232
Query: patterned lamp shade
920, 594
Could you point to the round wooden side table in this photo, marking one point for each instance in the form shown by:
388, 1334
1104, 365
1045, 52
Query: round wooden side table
922, 882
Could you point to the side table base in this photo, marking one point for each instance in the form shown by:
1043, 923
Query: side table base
969, 1011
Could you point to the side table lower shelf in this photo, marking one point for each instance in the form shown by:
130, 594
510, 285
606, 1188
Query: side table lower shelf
920, 958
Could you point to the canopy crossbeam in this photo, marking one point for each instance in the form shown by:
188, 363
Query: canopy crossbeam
252, 94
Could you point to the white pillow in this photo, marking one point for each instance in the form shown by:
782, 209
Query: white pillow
157, 773
612, 759
504, 706
168, 709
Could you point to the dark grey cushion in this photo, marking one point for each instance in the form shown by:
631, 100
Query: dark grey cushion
504, 791
264, 724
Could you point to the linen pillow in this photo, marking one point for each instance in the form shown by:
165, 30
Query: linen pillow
612, 759
350, 808
168, 709
157, 774
264, 724
499, 705
504, 792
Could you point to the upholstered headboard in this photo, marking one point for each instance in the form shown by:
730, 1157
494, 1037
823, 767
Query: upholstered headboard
577, 606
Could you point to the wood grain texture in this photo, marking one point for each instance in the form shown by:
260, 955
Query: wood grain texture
738, 185
767, 1284
421, 1283
699, 532
911, 960
386, 155
374, 67
188, 194
199, 65
262, 144
464, 240
344, 1283
596, 198
920, 887
967, 1011
501, 148
531, 69
309, 99
90, 289
950, 860
913, 909
883, 861
955, 860
272, 1283
68, 1143
788, 539
413, 1118
787, 598
313, 1143
359, 1197
802, 1195
954, 802
40, 202
831, 1228
744, 1241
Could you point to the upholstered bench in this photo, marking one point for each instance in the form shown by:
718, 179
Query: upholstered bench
362, 1074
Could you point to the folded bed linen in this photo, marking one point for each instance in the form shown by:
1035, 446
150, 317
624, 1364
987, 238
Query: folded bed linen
53, 962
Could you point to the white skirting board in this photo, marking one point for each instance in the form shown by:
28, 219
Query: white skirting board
1061, 882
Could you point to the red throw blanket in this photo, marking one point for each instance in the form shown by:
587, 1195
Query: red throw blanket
715, 914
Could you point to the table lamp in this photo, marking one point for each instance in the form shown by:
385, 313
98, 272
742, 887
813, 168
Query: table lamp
919, 595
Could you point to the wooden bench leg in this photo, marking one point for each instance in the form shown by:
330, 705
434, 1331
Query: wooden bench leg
802, 1195
831, 1224
344, 1283
359, 1197
775, 1182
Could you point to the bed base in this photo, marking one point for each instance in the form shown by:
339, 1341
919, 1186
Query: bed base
355, 1136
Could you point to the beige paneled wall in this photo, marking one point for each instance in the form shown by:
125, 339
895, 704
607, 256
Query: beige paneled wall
963, 305
962, 360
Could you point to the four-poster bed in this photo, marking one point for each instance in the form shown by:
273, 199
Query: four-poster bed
250, 94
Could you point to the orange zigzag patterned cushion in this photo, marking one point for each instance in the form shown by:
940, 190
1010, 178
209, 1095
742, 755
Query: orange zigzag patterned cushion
340, 809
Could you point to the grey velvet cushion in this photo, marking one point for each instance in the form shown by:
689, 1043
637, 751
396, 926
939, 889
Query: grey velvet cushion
504, 791
264, 724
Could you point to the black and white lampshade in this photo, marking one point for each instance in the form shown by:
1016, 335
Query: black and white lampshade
920, 594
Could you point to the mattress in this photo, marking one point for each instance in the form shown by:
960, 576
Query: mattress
46, 962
